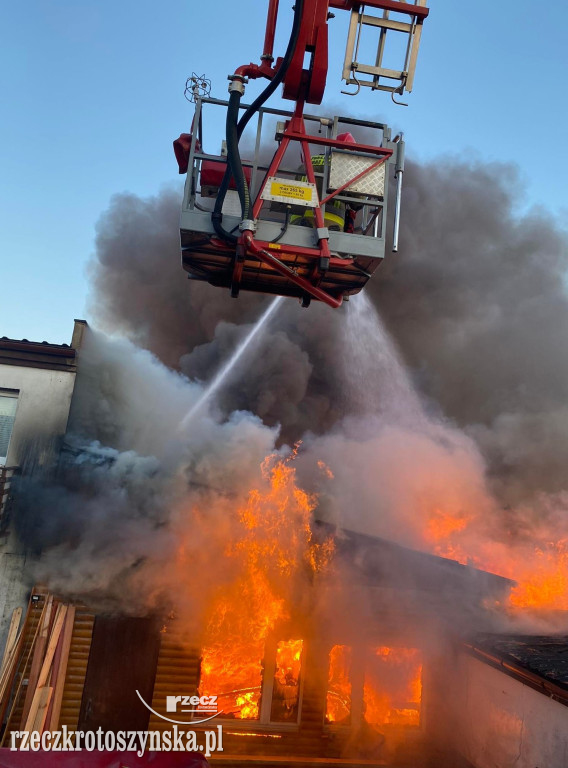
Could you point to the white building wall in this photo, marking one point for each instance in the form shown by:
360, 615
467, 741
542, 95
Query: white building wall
43, 407
41, 420
495, 721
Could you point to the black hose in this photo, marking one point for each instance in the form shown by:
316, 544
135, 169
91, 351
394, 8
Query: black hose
281, 73
234, 164
232, 140
284, 226
233, 157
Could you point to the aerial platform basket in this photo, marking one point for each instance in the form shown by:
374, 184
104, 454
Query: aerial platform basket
319, 214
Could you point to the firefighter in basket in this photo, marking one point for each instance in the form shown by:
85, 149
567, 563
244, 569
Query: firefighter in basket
338, 216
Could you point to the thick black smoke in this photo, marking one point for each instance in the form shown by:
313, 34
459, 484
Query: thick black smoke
475, 300
139, 287
476, 303
141, 291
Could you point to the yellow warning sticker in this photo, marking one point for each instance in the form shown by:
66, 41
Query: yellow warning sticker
289, 191
297, 192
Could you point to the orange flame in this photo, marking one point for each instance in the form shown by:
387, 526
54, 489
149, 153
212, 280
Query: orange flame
338, 704
545, 584
288, 661
273, 548
286, 691
540, 569
392, 690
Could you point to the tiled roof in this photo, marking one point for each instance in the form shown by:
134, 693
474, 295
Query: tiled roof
538, 660
43, 354
36, 354
7, 343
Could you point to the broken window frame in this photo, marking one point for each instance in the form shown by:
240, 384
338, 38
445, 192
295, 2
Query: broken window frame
360, 661
268, 671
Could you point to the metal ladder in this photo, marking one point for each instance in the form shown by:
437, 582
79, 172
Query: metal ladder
358, 73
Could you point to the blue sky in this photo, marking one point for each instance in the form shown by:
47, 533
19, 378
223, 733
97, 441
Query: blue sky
93, 97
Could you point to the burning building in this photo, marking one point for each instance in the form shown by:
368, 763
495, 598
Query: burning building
211, 577
323, 643
309, 679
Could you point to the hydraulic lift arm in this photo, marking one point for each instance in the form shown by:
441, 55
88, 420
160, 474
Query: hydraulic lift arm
312, 266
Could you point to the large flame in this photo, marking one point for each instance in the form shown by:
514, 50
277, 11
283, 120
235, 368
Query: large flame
272, 550
392, 691
539, 566
392, 687
545, 583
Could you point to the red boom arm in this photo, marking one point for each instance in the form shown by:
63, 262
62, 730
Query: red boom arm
308, 85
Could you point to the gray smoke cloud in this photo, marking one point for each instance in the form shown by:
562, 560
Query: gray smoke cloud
147, 506
477, 303
437, 423
475, 300
139, 287
141, 292
141, 504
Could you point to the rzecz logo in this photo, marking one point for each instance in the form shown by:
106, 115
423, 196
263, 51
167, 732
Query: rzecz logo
192, 705
203, 707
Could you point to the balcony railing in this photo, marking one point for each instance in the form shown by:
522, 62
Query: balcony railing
6, 475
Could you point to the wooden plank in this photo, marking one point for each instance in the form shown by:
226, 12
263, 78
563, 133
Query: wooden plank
40, 641
52, 646
38, 710
28, 622
9, 667
13, 703
55, 669
41, 693
14, 647
7, 679
12, 637
60, 669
